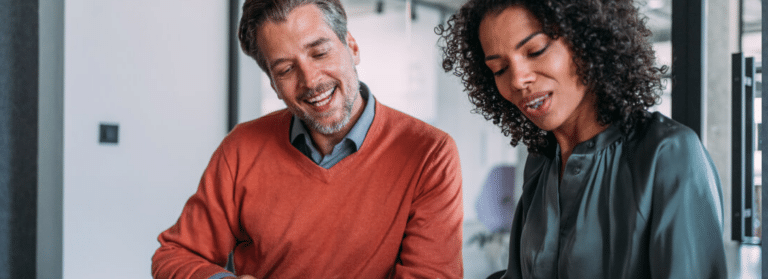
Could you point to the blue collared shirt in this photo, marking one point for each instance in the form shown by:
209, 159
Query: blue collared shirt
301, 139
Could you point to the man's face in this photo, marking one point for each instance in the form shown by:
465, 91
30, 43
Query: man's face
311, 70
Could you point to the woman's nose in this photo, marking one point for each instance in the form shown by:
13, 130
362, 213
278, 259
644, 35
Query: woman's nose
522, 75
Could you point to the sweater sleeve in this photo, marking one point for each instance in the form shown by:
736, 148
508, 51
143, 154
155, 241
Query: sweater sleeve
431, 246
198, 244
686, 214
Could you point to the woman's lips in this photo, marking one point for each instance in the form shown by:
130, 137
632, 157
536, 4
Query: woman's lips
536, 105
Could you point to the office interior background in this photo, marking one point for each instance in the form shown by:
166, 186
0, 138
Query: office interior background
166, 74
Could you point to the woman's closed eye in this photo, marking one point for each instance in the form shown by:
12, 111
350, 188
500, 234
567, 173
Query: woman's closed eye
500, 71
539, 52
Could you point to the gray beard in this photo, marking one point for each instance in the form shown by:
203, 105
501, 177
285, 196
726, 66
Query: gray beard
333, 127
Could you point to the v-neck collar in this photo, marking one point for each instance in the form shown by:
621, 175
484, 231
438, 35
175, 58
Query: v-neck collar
343, 166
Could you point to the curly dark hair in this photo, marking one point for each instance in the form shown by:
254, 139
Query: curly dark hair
613, 58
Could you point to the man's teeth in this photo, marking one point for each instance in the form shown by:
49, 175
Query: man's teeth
316, 101
535, 104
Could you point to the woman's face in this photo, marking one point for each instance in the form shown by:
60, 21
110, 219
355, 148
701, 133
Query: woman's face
533, 71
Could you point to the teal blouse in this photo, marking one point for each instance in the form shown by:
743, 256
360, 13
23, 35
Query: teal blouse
643, 205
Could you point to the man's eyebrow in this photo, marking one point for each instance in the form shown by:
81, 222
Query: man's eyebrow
276, 62
517, 46
312, 44
317, 42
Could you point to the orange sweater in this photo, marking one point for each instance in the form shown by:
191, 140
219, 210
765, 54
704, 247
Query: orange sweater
393, 209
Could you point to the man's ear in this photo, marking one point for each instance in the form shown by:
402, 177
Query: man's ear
354, 49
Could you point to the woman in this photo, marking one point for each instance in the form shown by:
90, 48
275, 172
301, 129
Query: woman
610, 189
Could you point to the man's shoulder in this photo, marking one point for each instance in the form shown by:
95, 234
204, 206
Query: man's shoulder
404, 124
273, 120
260, 128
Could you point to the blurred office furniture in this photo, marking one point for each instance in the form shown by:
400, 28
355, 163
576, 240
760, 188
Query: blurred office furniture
495, 208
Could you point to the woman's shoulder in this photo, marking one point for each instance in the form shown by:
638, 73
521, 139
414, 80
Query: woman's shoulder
661, 132
659, 126
668, 149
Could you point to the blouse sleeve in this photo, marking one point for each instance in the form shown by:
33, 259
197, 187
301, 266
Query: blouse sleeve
686, 219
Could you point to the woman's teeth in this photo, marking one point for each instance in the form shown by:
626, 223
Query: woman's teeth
535, 104
322, 99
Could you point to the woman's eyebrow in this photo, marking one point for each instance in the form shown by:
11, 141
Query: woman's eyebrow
519, 45
522, 42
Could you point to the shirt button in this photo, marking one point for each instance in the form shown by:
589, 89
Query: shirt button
591, 144
577, 170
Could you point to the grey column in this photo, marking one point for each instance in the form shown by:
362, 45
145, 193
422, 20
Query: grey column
50, 152
721, 40
18, 137
763, 144
688, 63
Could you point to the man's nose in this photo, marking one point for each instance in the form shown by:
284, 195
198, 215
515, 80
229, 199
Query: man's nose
310, 74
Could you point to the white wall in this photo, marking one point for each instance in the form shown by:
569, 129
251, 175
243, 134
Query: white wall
158, 69
397, 65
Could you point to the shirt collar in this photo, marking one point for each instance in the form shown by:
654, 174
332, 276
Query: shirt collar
599, 141
359, 130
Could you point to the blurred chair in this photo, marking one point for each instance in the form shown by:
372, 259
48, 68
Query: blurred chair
495, 208
496, 204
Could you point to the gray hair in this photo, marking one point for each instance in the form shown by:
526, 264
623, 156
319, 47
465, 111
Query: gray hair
258, 12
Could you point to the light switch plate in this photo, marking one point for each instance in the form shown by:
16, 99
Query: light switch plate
108, 133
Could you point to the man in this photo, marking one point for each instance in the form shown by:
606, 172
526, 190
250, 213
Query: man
335, 186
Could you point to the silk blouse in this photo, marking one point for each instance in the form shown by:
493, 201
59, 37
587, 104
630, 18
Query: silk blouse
647, 204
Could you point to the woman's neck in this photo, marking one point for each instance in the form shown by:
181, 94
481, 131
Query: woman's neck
571, 134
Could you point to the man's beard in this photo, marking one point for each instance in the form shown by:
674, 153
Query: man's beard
332, 127
328, 129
